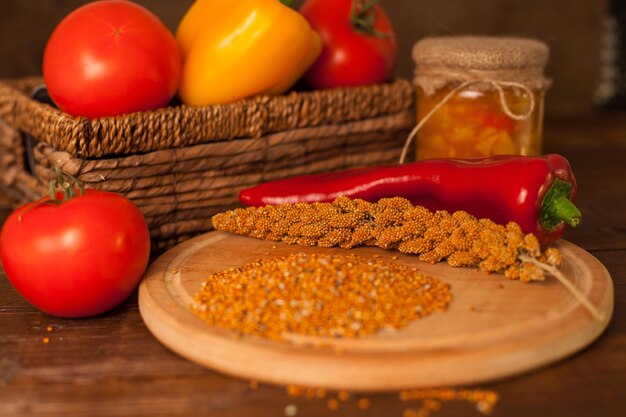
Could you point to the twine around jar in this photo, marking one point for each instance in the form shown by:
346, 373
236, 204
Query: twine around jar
498, 85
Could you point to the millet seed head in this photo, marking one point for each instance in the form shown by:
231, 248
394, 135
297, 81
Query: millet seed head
394, 223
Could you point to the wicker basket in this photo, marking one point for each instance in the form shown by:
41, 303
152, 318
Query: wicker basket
181, 164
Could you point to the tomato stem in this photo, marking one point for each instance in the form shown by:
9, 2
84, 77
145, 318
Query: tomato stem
363, 18
68, 185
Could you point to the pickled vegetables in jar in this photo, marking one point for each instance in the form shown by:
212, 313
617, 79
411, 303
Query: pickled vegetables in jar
473, 124
478, 96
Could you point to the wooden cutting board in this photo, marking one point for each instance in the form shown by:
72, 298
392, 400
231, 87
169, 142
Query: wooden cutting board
493, 328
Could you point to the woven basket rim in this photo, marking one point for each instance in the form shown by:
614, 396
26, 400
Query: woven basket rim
181, 125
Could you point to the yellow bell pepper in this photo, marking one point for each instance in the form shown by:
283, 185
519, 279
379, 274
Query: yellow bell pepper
237, 49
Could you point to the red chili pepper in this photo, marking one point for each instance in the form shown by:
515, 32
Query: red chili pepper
535, 192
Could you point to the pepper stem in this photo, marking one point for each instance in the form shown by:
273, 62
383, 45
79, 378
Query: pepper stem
558, 208
567, 211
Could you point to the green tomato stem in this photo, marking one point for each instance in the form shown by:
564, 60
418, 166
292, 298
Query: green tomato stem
363, 18
68, 185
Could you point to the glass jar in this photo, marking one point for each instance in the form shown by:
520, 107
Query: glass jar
479, 96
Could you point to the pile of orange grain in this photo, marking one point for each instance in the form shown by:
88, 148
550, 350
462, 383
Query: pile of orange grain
318, 295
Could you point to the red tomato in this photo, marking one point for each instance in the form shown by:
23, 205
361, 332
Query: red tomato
77, 259
354, 53
109, 58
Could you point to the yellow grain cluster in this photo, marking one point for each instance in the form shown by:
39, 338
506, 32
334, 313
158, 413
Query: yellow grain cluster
318, 295
394, 223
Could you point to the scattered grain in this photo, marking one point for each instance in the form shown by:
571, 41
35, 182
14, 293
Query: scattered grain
484, 400
332, 404
343, 395
363, 403
320, 392
291, 410
294, 390
410, 412
432, 399
310, 393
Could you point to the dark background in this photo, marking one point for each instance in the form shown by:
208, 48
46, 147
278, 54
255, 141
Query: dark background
577, 32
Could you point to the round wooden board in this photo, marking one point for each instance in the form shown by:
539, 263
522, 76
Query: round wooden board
493, 328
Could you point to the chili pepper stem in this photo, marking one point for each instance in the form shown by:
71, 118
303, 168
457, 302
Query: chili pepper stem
566, 211
557, 207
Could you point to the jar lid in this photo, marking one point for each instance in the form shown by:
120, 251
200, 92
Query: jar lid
450, 59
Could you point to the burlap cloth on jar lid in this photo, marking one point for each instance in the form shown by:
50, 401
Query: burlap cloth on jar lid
454, 60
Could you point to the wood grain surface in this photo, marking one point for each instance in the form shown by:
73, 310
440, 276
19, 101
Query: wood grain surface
112, 365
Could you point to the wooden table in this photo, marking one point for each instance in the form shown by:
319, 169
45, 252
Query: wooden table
111, 365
